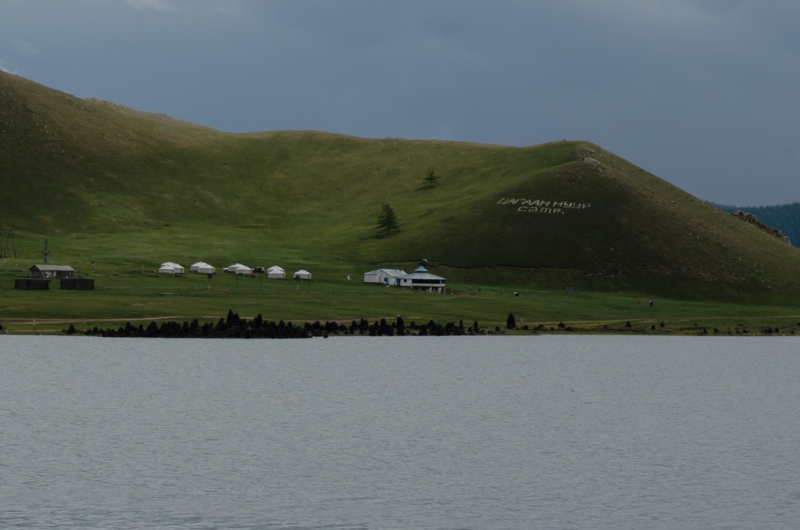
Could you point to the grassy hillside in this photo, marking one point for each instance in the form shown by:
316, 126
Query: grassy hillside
784, 217
127, 190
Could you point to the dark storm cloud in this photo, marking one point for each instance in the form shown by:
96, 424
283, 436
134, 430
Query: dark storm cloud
701, 93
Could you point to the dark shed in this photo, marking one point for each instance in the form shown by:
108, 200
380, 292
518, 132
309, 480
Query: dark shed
78, 284
31, 284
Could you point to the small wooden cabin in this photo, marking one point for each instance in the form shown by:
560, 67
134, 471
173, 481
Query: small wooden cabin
49, 272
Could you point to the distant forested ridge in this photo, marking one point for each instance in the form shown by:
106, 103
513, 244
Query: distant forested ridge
784, 217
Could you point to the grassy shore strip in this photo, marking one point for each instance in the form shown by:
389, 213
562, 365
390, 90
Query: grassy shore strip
766, 327
123, 296
769, 326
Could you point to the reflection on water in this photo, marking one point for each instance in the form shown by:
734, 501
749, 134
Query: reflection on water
513, 432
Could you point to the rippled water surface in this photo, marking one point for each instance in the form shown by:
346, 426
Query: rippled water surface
400, 433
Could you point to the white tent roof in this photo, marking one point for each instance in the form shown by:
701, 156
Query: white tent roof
170, 265
243, 270
199, 264
275, 268
232, 268
206, 269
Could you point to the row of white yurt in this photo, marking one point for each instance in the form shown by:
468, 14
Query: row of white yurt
169, 267
201, 267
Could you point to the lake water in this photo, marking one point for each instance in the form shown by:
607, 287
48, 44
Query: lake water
400, 433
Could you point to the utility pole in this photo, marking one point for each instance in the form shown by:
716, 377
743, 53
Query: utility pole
46, 252
13, 242
9, 243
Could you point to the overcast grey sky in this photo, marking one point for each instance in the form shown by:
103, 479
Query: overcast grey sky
703, 93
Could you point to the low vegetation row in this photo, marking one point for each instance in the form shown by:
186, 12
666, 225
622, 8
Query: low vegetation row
235, 327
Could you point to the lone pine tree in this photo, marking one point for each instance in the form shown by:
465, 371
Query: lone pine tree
431, 178
387, 220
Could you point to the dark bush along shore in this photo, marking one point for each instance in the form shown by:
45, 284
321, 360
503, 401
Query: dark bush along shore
235, 327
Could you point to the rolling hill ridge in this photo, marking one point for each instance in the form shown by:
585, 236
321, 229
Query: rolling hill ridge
784, 217
563, 213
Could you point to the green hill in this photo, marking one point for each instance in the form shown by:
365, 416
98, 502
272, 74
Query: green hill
128, 189
784, 217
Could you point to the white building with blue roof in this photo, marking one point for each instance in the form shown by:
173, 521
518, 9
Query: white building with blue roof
422, 280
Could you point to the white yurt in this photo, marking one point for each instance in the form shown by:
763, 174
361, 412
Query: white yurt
205, 268
276, 272
244, 271
171, 268
232, 268
197, 265
302, 274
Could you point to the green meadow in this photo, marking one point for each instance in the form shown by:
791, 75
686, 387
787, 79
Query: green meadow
128, 288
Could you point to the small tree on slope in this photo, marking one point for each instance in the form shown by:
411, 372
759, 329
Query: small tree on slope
387, 220
431, 178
